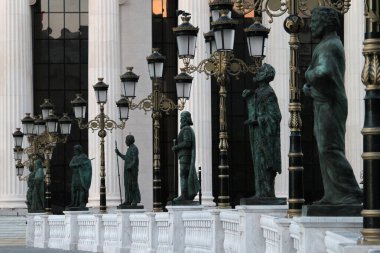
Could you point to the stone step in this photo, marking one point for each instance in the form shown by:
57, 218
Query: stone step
12, 230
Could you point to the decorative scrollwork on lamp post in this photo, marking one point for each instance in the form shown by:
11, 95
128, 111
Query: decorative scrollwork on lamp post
42, 135
221, 64
158, 103
102, 123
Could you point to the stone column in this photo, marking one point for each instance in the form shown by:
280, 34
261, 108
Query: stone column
16, 92
278, 56
104, 61
353, 40
199, 104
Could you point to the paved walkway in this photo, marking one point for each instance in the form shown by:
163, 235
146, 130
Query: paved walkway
23, 249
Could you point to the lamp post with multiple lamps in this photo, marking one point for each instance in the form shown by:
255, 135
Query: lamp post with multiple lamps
158, 103
221, 64
42, 135
102, 123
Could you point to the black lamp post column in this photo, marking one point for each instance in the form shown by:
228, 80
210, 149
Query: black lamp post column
371, 130
156, 116
224, 192
292, 25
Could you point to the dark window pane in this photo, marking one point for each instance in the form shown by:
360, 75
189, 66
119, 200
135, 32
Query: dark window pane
56, 5
72, 77
41, 51
72, 51
56, 23
56, 76
84, 51
84, 76
56, 51
41, 26
41, 76
71, 5
84, 5
72, 25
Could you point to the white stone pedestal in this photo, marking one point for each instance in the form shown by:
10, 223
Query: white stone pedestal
176, 229
124, 230
346, 242
276, 234
72, 229
308, 233
242, 230
30, 228
41, 233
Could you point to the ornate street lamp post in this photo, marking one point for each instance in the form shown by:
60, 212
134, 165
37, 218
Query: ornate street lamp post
158, 103
371, 129
102, 123
42, 135
221, 64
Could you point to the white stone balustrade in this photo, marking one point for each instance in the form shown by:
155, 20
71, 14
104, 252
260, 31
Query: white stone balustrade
56, 231
242, 230
233, 232
86, 232
144, 231
203, 231
189, 229
346, 242
110, 232
276, 234
308, 233
164, 244
41, 232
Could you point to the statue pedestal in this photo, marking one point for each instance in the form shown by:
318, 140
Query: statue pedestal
129, 207
175, 226
308, 233
263, 201
71, 229
332, 210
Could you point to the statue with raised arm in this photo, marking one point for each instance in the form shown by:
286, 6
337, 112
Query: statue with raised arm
264, 119
186, 155
131, 172
325, 84
38, 187
80, 180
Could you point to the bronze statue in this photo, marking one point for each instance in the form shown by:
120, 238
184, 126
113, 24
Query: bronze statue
264, 119
30, 183
38, 187
325, 84
131, 171
80, 180
186, 155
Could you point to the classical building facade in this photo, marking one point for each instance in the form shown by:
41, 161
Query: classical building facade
55, 49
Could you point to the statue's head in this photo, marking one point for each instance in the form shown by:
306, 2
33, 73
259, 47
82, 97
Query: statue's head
324, 20
129, 140
266, 73
186, 119
78, 149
